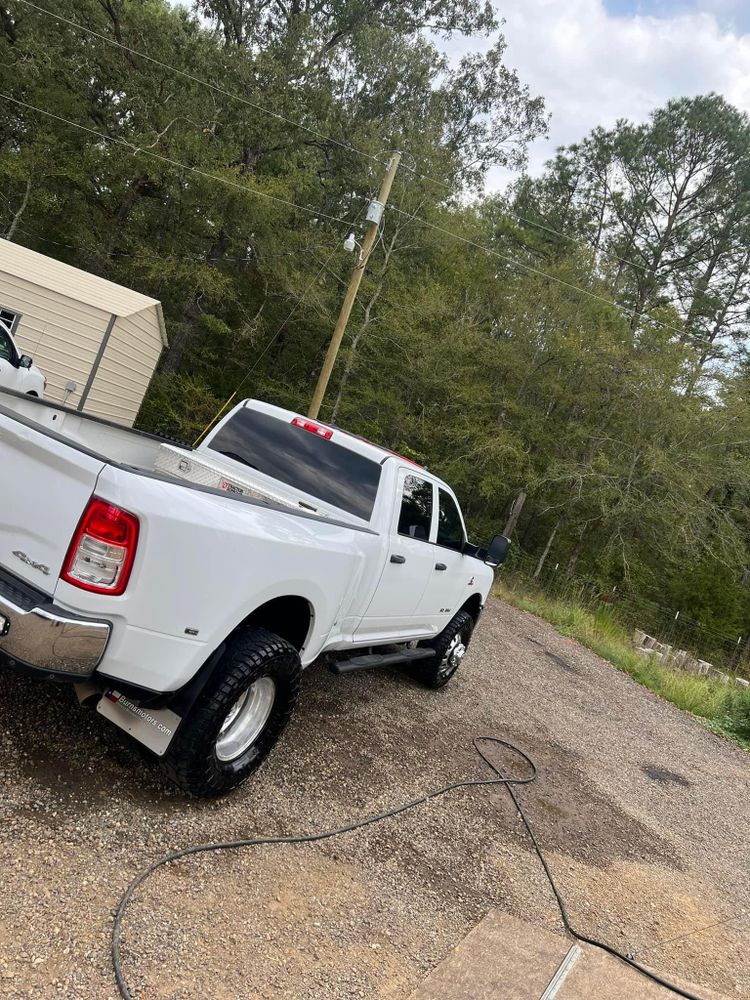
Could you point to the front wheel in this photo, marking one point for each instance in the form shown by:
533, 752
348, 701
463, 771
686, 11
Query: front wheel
238, 717
450, 648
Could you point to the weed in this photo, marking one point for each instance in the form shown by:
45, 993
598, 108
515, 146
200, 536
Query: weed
724, 709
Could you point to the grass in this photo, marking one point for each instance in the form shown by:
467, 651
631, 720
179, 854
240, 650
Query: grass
722, 708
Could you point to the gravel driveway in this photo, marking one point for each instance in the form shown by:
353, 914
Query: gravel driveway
644, 814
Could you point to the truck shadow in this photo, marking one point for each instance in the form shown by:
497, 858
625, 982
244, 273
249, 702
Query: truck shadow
70, 752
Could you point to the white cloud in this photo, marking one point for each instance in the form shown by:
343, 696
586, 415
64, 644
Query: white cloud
593, 67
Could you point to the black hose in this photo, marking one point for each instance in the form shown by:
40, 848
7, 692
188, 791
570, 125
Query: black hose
309, 838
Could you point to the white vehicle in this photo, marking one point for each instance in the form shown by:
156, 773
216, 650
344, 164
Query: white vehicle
17, 371
184, 590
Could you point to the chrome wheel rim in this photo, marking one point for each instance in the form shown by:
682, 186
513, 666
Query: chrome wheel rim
245, 719
453, 655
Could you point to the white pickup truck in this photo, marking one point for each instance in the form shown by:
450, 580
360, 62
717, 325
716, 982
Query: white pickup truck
183, 590
17, 371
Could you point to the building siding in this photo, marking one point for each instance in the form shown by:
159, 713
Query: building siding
63, 336
126, 368
60, 334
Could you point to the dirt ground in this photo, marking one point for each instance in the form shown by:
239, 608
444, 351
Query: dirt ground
643, 813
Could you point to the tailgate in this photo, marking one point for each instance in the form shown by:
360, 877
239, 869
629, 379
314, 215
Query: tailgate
45, 484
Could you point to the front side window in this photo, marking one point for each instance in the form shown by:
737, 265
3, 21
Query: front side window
6, 348
415, 516
450, 530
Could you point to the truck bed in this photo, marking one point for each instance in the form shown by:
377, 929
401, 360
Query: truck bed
104, 439
137, 449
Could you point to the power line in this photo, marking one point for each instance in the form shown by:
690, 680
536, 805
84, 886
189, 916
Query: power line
274, 338
317, 214
176, 163
530, 222
303, 208
291, 121
226, 93
572, 239
257, 258
196, 79
528, 267
740, 915
312, 131
323, 215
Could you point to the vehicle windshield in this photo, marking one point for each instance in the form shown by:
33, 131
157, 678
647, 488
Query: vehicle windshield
300, 459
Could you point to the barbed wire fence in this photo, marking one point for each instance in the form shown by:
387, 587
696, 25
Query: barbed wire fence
670, 625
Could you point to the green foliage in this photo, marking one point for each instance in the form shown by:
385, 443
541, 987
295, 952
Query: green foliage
178, 406
593, 364
724, 708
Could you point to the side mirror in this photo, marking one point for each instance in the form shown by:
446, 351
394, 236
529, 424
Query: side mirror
497, 550
25, 361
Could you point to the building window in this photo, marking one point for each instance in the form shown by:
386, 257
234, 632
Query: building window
8, 320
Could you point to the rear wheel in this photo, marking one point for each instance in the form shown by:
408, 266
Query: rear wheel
238, 717
450, 648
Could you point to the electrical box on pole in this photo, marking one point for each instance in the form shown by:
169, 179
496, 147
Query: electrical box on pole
375, 211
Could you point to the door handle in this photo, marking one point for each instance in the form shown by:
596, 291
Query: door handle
398, 559
440, 566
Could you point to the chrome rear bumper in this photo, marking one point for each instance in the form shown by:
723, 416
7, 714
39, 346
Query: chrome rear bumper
36, 634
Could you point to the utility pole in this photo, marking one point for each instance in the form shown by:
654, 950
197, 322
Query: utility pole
374, 215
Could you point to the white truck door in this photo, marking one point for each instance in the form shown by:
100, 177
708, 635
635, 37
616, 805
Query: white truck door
393, 610
451, 579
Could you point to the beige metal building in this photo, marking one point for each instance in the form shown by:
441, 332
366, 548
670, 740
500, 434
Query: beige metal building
96, 342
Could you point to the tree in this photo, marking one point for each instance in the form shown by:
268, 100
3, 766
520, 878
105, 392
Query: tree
665, 206
583, 381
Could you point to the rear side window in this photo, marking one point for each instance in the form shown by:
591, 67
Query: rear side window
301, 459
450, 532
415, 516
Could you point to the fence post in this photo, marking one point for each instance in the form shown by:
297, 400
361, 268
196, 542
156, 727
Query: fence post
673, 628
744, 654
734, 659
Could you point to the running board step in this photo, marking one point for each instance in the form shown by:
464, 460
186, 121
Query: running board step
372, 660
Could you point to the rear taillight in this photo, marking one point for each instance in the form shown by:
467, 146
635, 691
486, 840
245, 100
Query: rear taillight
310, 425
101, 553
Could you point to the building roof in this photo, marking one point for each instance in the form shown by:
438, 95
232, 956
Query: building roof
77, 284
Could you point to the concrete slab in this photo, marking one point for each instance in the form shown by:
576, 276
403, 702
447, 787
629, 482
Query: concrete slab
504, 958
599, 975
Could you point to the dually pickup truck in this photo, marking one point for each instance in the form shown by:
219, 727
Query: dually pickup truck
182, 590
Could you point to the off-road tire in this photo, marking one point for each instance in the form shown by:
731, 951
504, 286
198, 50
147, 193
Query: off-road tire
191, 761
434, 673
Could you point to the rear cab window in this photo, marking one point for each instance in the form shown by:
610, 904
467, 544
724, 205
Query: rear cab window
305, 461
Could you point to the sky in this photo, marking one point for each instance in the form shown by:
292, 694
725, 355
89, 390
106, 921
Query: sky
595, 61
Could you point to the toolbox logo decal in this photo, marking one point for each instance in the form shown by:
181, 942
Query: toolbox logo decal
230, 487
